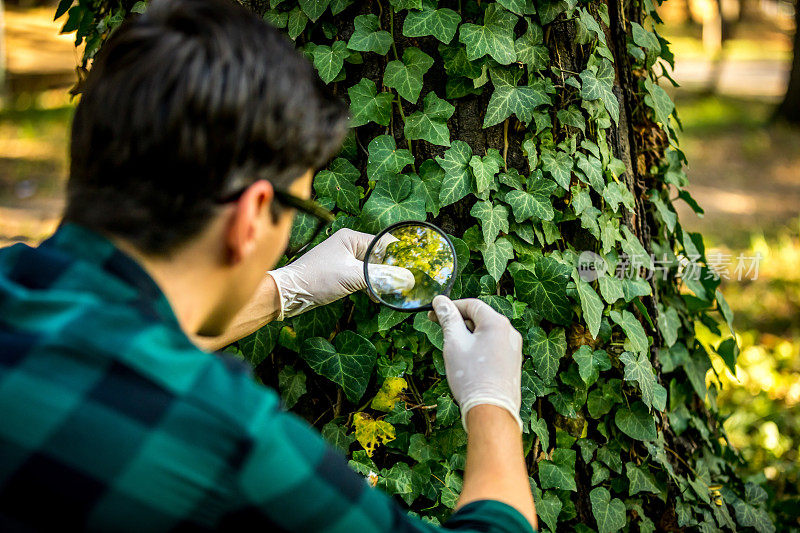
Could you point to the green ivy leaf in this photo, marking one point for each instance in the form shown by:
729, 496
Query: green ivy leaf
637, 339
292, 384
348, 362
396, 198
668, 324
546, 351
447, 412
338, 183
544, 289
597, 83
385, 158
457, 181
750, 516
397, 479
636, 422
559, 165
456, 64
548, 505
539, 427
591, 304
639, 369
493, 218
520, 7
317, 322
406, 76
617, 193
658, 99
314, 8
532, 204
432, 176
420, 449
647, 40
640, 480
430, 124
599, 473
592, 168
441, 23
496, 256
296, 22
590, 363
530, 50
485, 169
431, 329
494, 38
558, 473
368, 37
337, 6
511, 99
329, 60
279, 19
257, 346
549, 10
609, 514
337, 436
572, 116
367, 105
400, 5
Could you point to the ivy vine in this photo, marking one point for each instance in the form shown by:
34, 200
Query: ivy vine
534, 132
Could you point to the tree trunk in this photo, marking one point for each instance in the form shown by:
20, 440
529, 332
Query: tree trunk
636, 139
789, 109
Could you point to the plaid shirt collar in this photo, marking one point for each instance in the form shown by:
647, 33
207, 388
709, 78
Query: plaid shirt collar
109, 266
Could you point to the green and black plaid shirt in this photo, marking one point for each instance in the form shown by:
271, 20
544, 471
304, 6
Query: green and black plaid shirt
110, 419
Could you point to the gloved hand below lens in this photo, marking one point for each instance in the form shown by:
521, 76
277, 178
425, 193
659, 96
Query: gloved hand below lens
483, 366
330, 271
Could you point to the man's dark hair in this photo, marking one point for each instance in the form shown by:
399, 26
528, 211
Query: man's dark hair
184, 105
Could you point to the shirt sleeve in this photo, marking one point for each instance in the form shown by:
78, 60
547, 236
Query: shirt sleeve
292, 480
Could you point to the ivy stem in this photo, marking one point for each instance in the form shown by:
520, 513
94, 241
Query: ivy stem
505, 144
320, 416
338, 407
403, 116
397, 57
443, 483
679, 458
391, 32
418, 396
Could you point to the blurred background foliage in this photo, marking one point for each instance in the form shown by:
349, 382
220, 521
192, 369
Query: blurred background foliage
733, 61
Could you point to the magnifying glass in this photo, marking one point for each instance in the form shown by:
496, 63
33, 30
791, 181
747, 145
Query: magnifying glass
408, 264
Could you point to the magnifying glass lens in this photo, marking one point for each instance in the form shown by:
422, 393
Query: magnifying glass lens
409, 264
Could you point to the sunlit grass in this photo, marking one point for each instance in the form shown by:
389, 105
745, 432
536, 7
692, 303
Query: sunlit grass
761, 400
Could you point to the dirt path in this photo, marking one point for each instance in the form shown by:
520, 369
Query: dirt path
34, 44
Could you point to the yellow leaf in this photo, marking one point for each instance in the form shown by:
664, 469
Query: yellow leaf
389, 394
370, 432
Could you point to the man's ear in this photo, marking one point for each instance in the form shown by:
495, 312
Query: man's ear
251, 212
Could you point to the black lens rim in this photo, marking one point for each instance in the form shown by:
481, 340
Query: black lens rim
447, 289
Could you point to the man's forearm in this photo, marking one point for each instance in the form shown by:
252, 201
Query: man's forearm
495, 467
264, 307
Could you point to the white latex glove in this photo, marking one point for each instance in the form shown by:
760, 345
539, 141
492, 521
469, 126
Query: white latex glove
332, 270
483, 366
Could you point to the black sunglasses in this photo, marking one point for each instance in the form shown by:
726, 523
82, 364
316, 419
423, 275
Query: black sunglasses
313, 219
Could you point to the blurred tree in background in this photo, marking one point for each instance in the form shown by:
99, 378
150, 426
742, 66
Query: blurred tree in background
789, 109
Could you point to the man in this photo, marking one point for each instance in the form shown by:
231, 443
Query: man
193, 146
